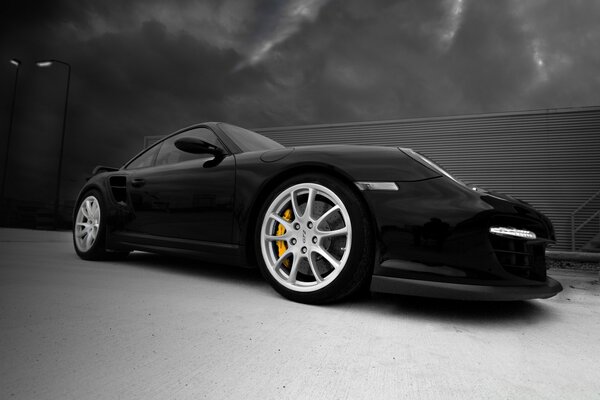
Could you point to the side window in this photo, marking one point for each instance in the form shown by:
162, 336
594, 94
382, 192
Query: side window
145, 160
169, 154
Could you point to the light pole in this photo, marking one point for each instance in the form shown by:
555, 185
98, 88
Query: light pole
16, 63
43, 64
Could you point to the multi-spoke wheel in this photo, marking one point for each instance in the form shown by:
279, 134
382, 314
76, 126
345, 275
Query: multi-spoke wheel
87, 223
314, 240
89, 228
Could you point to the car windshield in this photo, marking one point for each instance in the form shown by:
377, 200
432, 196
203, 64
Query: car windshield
247, 140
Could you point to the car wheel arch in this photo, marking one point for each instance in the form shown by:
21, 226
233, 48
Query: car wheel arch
284, 175
96, 185
86, 189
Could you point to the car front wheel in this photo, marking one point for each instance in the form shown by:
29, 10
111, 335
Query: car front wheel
315, 240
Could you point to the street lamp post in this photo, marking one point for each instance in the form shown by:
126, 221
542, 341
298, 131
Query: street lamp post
43, 64
16, 63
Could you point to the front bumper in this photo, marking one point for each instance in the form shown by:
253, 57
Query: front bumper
459, 291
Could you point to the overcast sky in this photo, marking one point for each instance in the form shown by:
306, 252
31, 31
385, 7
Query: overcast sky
150, 67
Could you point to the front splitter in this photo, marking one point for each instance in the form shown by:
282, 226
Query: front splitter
458, 291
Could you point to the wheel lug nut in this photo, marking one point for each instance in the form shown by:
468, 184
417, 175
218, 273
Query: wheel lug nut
296, 226
293, 241
310, 225
304, 250
315, 240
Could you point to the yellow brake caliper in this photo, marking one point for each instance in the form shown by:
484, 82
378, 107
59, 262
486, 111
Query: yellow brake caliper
281, 244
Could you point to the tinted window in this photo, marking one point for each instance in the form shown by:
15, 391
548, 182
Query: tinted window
247, 140
169, 154
144, 160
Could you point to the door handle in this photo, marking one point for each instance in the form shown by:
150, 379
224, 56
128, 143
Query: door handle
138, 182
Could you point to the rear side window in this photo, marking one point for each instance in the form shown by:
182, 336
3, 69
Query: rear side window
144, 160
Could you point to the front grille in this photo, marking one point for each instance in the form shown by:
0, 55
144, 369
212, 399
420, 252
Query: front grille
520, 258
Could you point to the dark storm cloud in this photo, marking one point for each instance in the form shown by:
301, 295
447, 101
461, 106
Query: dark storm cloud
148, 68
364, 61
169, 80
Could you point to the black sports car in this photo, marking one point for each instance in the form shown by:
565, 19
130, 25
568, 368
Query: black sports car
321, 222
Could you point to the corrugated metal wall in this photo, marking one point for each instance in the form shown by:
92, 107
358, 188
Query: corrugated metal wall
549, 158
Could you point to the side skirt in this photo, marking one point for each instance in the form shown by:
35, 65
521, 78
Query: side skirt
220, 253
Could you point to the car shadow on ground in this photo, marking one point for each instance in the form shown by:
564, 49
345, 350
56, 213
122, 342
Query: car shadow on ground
456, 311
474, 312
194, 268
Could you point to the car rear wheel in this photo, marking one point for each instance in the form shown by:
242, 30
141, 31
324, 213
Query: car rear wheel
314, 239
89, 229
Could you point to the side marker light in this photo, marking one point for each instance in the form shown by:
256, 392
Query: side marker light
390, 186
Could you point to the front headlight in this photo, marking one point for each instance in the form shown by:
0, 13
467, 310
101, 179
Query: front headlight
512, 232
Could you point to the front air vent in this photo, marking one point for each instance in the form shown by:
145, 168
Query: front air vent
520, 258
118, 187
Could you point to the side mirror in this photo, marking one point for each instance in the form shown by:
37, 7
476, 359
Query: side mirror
197, 146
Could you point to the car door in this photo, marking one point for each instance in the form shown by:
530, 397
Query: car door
183, 195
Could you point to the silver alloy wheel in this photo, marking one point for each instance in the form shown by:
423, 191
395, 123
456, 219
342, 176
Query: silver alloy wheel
87, 223
314, 246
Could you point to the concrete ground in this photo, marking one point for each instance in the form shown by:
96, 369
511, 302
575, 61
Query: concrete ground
154, 327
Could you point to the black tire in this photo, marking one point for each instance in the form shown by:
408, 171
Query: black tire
354, 273
97, 249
